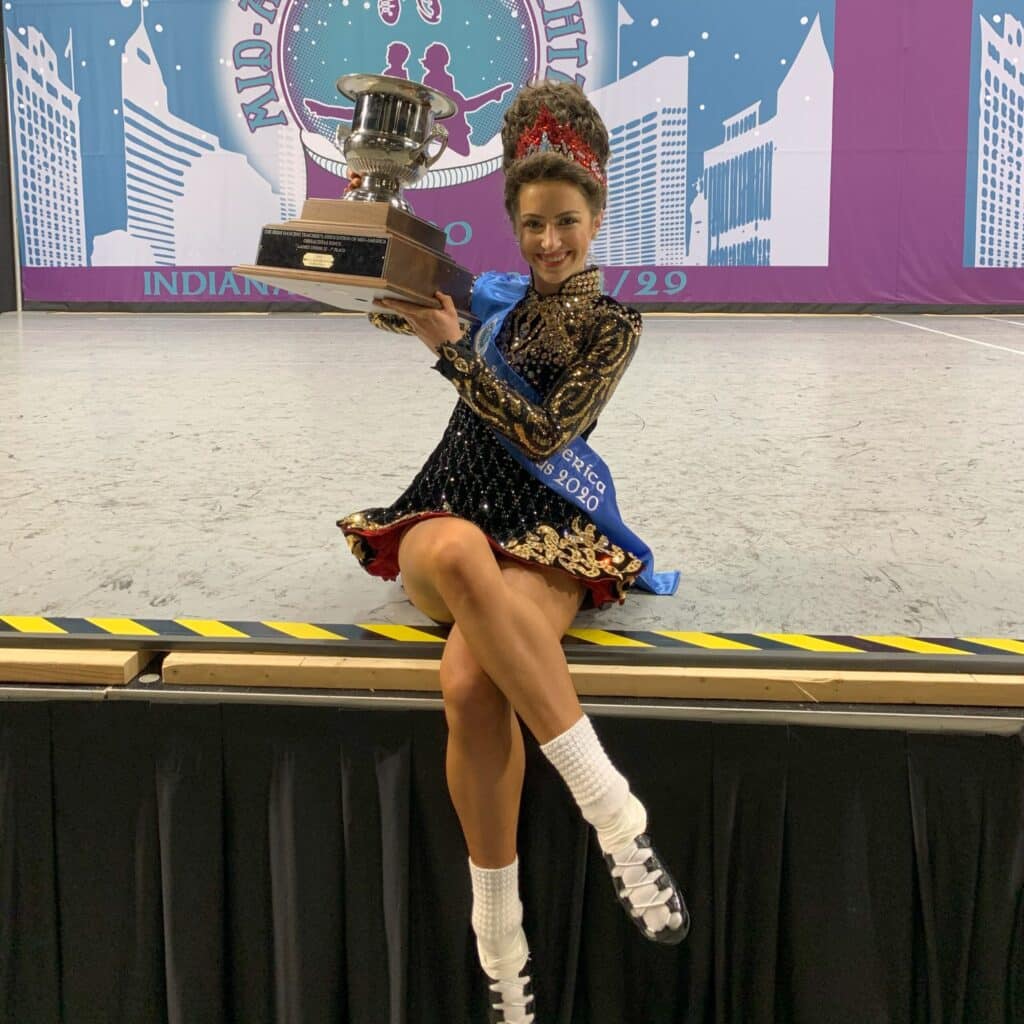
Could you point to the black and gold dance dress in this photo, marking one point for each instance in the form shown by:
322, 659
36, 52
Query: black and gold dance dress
573, 348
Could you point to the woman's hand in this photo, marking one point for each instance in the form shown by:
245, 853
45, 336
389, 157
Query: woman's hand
434, 327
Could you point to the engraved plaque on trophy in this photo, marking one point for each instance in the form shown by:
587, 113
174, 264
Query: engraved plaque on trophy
369, 244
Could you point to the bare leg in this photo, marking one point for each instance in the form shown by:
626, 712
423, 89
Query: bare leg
449, 568
484, 760
485, 744
450, 573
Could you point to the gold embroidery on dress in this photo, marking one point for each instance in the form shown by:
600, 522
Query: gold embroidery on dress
551, 328
358, 546
582, 552
360, 520
548, 326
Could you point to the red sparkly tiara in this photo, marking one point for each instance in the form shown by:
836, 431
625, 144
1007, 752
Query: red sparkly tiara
549, 135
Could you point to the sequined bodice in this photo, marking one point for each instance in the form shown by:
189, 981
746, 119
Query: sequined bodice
573, 347
542, 336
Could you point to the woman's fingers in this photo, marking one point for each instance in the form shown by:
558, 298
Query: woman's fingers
433, 326
410, 309
414, 308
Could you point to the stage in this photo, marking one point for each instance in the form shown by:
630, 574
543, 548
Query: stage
197, 833
221, 745
806, 474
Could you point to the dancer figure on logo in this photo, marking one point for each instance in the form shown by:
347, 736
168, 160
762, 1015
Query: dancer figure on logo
435, 62
484, 539
390, 11
397, 57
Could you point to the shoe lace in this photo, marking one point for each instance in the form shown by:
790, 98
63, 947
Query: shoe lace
515, 1001
638, 870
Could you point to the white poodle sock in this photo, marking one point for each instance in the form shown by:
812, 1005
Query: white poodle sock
498, 920
602, 793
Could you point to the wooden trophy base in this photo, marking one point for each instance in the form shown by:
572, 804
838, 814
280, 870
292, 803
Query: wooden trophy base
346, 254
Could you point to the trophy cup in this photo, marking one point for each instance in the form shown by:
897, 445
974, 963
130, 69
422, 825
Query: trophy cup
368, 244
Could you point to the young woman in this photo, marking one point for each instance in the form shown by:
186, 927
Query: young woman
494, 537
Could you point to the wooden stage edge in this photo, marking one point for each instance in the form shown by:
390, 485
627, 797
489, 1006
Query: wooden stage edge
85, 668
419, 676
626, 681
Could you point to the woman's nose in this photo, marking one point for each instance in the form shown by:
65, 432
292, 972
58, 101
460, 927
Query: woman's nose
549, 240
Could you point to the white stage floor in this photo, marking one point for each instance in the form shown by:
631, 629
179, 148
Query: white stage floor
846, 474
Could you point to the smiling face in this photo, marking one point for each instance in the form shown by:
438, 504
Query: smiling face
555, 227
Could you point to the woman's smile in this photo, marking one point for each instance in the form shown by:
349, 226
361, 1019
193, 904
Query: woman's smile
555, 228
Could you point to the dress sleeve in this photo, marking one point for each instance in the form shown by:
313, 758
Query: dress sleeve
390, 322
394, 322
574, 403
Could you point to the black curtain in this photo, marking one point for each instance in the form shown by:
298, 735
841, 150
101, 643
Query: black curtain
194, 863
7, 292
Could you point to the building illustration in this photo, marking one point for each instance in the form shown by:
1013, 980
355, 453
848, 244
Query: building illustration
697, 252
767, 185
646, 115
171, 169
291, 173
47, 155
998, 209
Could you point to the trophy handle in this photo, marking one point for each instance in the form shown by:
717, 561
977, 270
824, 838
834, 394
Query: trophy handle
343, 132
437, 132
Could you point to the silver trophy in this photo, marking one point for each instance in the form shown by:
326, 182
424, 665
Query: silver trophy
369, 244
388, 142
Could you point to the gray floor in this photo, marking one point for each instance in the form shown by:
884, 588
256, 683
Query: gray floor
811, 474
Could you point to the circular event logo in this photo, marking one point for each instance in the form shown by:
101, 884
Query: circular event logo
477, 54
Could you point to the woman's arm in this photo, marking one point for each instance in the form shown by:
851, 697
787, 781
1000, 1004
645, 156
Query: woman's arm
434, 327
575, 402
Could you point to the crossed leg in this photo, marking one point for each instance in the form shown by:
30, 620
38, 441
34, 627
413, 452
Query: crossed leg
503, 657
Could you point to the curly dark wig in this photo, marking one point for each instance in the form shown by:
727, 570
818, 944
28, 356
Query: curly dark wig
567, 102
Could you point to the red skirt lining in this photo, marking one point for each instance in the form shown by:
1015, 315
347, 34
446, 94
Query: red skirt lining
385, 541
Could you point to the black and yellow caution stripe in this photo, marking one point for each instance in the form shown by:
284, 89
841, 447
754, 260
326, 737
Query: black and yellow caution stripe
662, 646
156, 631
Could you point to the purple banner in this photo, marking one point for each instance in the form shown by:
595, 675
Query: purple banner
145, 285
860, 152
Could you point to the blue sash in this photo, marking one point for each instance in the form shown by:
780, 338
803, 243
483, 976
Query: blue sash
577, 472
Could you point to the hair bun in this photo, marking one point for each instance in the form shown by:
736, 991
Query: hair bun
567, 103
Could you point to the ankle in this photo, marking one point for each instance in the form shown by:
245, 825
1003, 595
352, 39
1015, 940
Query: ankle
505, 956
497, 919
577, 755
617, 829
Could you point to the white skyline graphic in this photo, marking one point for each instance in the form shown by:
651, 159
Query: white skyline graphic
291, 172
764, 196
646, 115
999, 209
47, 154
171, 169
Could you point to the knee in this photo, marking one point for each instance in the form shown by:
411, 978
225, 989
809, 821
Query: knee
471, 701
455, 553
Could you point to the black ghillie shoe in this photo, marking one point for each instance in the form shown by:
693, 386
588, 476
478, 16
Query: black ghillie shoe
648, 893
512, 998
